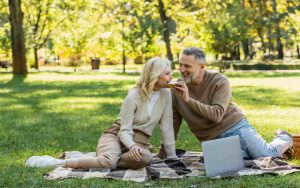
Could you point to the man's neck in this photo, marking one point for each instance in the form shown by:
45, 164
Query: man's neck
199, 78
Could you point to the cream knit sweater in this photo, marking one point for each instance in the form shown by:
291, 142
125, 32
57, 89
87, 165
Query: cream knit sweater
134, 116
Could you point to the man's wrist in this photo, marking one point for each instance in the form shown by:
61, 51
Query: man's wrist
187, 100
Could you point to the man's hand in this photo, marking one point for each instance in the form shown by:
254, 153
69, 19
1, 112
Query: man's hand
182, 88
135, 153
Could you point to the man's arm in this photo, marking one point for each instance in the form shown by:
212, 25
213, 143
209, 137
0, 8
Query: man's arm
214, 111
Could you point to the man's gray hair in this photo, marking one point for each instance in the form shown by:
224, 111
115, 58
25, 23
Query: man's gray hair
197, 52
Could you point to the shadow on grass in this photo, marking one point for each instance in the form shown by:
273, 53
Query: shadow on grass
42, 131
36, 116
17, 79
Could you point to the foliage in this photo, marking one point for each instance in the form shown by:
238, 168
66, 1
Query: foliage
40, 24
4, 29
110, 29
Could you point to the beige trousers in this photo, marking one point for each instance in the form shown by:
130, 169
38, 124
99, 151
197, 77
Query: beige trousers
111, 153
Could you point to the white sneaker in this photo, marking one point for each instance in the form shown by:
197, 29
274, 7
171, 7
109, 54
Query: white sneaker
44, 161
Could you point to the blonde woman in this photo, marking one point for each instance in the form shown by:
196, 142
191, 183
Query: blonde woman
126, 143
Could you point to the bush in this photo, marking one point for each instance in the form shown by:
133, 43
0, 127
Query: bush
222, 65
264, 66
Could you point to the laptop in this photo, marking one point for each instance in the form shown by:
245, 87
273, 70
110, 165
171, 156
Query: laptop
222, 156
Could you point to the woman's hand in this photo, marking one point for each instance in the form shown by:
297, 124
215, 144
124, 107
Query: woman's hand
135, 153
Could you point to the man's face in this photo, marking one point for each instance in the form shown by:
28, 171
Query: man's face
189, 68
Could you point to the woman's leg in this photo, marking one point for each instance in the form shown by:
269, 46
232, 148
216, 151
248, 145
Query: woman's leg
141, 140
108, 153
126, 162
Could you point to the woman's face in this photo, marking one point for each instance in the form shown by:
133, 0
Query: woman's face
164, 78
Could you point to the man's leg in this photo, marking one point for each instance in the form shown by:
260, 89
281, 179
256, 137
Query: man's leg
254, 145
280, 140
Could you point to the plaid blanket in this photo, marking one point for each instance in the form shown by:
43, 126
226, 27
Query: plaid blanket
189, 164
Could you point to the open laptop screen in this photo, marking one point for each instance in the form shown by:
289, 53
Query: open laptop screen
222, 155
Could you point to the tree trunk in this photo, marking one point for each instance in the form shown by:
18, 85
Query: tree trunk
298, 52
124, 60
246, 50
279, 46
36, 60
17, 37
231, 55
261, 36
270, 45
263, 10
280, 54
260, 29
216, 56
237, 51
123, 48
251, 50
166, 30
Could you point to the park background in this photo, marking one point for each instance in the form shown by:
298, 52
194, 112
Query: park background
67, 65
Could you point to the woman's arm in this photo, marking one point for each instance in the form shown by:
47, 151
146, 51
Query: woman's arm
166, 126
128, 109
177, 118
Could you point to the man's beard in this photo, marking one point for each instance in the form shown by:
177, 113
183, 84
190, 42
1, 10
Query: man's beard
189, 79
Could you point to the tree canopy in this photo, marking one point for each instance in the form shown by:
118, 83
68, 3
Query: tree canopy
75, 31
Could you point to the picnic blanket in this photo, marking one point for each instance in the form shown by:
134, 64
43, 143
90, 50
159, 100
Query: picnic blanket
189, 164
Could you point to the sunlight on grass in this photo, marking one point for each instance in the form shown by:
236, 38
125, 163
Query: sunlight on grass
94, 77
50, 112
290, 84
5, 90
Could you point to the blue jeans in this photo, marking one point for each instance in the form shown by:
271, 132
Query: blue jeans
253, 145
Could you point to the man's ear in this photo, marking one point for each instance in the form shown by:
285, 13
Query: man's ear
202, 66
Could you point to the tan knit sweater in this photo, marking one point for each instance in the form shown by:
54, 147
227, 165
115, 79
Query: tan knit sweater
134, 116
209, 111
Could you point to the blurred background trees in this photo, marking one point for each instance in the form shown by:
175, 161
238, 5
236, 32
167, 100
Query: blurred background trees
73, 32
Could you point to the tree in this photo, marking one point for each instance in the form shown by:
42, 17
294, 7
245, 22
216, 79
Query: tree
229, 28
75, 36
17, 37
277, 31
5, 45
166, 23
41, 20
142, 30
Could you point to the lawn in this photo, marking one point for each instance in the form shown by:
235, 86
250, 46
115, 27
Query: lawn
51, 112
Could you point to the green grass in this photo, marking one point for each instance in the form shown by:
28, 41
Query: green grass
50, 112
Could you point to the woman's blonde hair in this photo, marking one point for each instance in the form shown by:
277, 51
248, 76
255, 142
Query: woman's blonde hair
150, 75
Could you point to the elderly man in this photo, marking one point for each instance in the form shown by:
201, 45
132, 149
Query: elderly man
203, 99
